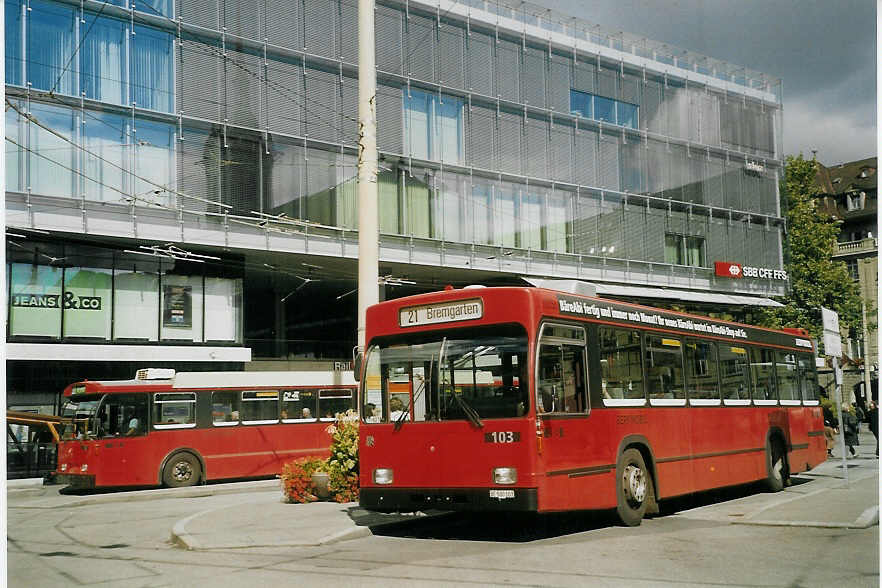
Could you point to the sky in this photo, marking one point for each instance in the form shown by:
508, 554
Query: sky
823, 50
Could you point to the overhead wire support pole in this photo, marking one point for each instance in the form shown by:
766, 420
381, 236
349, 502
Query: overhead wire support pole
368, 223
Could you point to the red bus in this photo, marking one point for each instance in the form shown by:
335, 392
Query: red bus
179, 429
536, 400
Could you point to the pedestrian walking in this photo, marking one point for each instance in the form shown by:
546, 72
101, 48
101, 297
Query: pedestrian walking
831, 426
850, 428
873, 415
858, 413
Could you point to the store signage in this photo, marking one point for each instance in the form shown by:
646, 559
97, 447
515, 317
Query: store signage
730, 269
178, 306
71, 301
430, 314
727, 269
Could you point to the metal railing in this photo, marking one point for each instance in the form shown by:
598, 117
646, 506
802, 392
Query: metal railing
30, 460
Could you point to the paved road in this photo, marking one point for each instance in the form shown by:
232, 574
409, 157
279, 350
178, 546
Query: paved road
816, 533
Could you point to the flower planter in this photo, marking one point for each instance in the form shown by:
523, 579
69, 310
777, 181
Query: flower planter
320, 485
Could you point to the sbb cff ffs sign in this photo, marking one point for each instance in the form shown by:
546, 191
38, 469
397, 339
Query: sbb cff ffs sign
730, 269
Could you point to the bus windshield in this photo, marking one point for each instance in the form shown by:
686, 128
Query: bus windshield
464, 374
109, 415
82, 409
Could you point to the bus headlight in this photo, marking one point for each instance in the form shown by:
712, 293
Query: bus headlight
85, 468
383, 476
505, 475
64, 467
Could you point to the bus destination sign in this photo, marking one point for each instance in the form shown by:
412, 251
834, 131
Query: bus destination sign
430, 314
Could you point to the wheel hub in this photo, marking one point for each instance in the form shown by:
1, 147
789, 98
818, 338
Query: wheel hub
634, 484
182, 471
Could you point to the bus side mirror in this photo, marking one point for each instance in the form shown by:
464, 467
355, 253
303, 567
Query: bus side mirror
357, 360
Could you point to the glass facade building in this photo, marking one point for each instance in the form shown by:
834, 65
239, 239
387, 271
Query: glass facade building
512, 141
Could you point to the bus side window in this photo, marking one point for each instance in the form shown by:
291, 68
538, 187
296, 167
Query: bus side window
762, 375
664, 370
173, 410
225, 408
332, 402
298, 405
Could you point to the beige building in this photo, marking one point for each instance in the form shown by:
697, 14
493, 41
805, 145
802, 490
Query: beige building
848, 192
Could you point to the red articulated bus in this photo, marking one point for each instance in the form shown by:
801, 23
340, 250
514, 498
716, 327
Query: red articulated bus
528, 399
179, 429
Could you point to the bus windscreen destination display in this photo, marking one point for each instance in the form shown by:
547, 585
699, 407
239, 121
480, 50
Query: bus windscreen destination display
430, 314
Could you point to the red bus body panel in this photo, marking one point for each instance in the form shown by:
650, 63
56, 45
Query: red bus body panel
570, 461
241, 451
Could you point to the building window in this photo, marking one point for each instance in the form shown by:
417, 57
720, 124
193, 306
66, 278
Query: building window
855, 200
13, 11
433, 127
107, 63
852, 265
603, 109
684, 250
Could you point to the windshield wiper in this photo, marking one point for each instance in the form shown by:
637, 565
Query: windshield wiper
467, 409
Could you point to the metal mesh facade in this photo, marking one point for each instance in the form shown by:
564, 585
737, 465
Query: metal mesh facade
265, 109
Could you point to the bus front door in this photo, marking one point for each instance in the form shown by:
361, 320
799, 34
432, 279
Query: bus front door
566, 451
123, 450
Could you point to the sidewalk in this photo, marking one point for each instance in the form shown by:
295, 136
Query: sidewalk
266, 521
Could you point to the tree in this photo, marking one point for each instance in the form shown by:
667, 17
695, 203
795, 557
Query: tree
816, 279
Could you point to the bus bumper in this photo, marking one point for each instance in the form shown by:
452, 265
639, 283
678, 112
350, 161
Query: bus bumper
466, 499
75, 480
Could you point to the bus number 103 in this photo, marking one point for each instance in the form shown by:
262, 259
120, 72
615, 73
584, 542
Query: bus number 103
502, 437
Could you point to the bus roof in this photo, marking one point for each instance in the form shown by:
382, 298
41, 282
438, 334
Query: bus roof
526, 304
217, 380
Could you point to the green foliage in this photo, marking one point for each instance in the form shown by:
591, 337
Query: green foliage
816, 280
343, 462
341, 466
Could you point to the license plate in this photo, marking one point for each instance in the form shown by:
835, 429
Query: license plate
502, 494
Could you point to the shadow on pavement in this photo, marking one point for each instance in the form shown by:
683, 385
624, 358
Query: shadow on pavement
525, 527
75, 491
499, 527
718, 496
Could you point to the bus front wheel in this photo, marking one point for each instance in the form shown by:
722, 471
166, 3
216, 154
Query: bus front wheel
181, 470
633, 487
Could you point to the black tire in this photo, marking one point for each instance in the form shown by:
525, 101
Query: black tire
777, 470
633, 488
181, 469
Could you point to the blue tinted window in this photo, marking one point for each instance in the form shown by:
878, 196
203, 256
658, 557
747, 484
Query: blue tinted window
103, 60
152, 70
162, 7
52, 158
580, 103
627, 114
14, 61
51, 44
433, 126
604, 109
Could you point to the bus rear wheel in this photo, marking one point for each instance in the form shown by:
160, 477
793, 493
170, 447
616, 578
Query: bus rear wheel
182, 469
633, 487
777, 470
